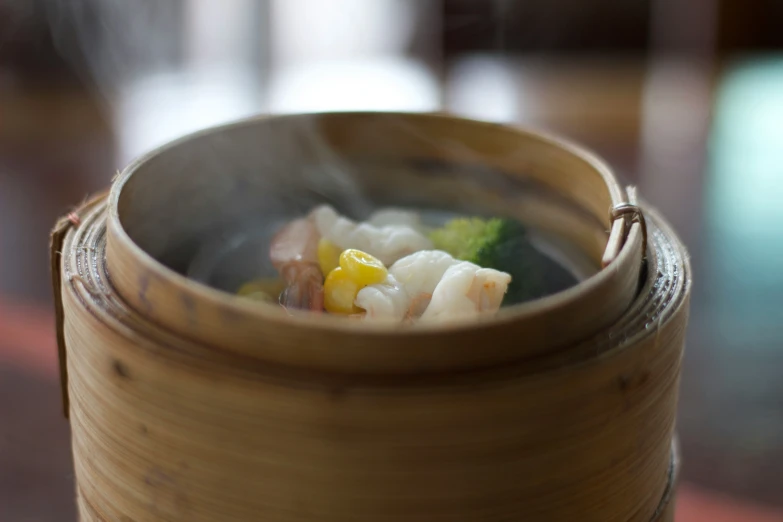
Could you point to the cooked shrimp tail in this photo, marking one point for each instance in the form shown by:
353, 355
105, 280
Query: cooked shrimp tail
294, 252
304, 287
296, 241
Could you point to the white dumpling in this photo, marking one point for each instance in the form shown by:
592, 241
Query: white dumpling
388, 243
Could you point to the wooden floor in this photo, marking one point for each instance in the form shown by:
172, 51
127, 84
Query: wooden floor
705, 159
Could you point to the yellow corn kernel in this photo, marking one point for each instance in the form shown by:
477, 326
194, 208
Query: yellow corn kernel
328, 255
362, 268
340, 292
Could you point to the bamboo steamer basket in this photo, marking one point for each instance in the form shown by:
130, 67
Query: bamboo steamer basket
187, 403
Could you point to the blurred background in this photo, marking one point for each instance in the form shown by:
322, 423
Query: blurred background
683, 98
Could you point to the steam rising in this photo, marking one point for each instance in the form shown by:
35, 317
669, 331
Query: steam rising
114, 44
109, 42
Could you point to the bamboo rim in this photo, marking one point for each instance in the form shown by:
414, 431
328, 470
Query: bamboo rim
556, 321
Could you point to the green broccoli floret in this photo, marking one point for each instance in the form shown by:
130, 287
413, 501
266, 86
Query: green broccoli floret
496, 243
467, 238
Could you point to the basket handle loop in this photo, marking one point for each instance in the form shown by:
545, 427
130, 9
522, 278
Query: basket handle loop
623, 216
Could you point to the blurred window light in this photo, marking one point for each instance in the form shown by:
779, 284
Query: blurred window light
742, 283
483, 87
346, 55
158, 108
218, 81
747, 151
222, 32
744, 216
305, 30
378, 84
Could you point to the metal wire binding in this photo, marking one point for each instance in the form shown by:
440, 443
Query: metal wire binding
632, 213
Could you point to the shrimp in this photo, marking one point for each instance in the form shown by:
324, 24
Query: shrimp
408, 287
405, 292
431, 285
418, 306
294, 253
467, 289
383, 301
